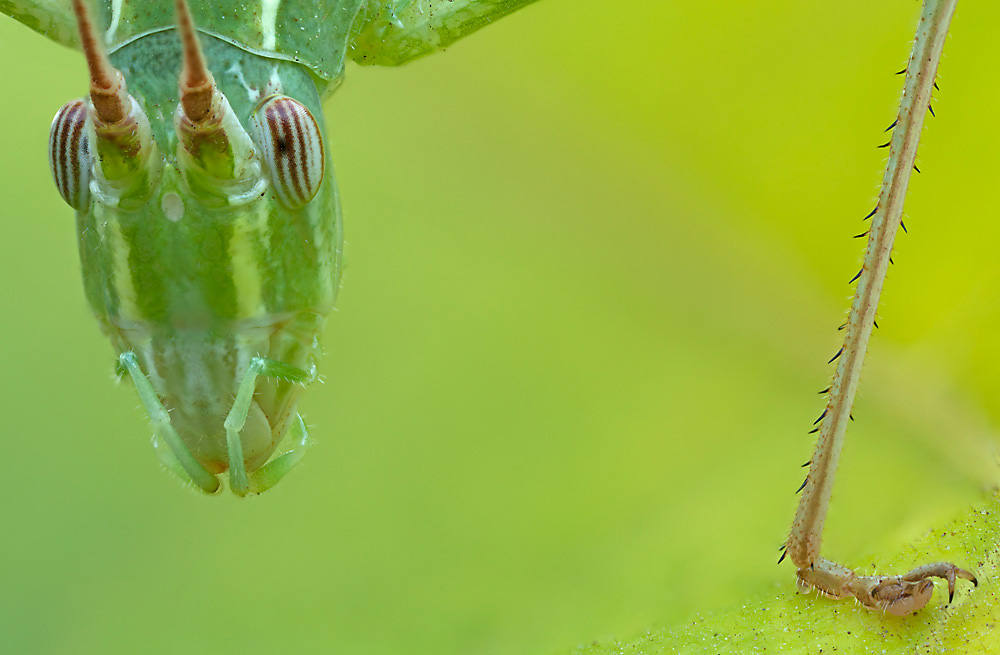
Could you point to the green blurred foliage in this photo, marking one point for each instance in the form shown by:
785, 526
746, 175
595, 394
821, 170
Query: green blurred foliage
595, 264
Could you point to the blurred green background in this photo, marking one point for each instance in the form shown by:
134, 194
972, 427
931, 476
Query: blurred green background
595, 265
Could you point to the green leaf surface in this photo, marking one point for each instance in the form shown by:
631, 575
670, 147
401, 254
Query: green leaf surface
789, 622
311, 32
50, 18
386, 32
392, 32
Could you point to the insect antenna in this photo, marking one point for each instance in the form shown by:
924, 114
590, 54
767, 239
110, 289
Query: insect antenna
216, 152
107, 86
196, 84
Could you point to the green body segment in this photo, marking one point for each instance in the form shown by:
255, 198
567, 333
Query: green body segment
316, 33
309, 32
197, 291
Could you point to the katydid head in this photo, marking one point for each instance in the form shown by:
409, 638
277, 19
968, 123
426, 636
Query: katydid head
209, 234
108, 140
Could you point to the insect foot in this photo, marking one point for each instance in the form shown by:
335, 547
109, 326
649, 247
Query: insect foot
899, 595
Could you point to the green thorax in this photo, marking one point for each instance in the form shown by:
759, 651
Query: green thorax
314, 33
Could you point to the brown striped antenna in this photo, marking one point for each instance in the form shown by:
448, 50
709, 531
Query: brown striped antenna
197, 85
107, 86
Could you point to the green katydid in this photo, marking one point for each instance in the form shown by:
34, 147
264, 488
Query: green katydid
207, 211
383, 33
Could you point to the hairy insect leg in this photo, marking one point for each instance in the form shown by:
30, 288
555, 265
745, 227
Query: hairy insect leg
181, 461
237, 417
902, 594
271, 473
168, 459
899, 595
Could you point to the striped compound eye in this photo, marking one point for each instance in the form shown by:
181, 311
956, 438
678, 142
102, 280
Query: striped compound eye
292, 149
69, 154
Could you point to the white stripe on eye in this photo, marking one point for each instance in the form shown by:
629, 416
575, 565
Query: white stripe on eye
292, 148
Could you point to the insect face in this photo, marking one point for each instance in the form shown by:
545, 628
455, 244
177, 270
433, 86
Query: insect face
209, 236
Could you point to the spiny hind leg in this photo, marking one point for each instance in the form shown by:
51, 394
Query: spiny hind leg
271, 473
899, 595
239, 482
169, 447
909, 592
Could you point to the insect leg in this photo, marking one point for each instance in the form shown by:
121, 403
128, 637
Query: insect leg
238, 481
164, 429
168, 459
904, 594
899, 595
268, 475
